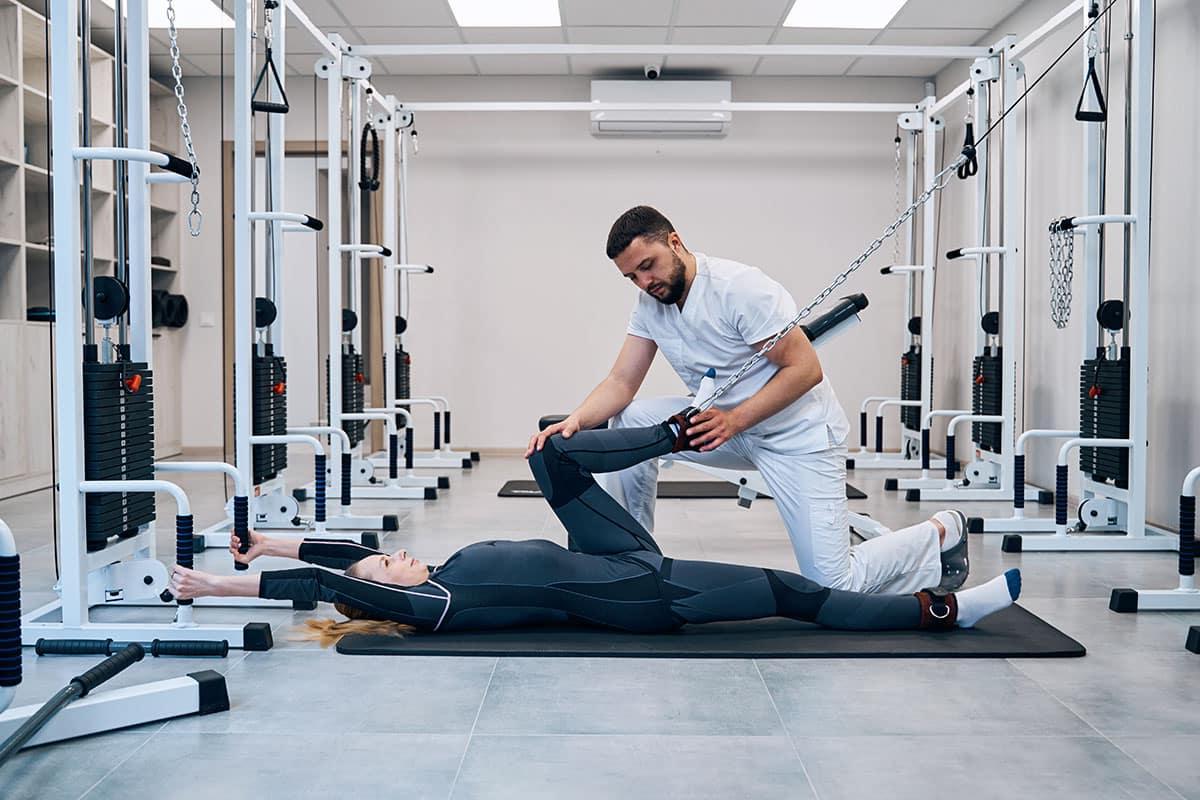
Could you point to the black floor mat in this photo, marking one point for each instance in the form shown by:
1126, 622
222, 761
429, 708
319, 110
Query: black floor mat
667, 490
1012, 633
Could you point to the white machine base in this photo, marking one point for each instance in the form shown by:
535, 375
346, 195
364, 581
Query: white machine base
1129, 600
442, 459
251, 636
1151, 541
201, 692
924, 490
888, 461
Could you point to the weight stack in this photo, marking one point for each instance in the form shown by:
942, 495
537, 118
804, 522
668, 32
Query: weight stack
118, 433
1104, 413
910, 387
987, 374
353, 381
269, 412
403, 377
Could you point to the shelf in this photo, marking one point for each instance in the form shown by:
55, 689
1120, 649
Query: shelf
157, 268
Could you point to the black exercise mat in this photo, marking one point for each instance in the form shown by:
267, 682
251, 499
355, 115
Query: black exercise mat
1012, 633
667, 490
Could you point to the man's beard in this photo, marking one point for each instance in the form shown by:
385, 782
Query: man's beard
676, 285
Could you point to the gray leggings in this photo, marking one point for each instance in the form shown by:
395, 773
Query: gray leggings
696, 591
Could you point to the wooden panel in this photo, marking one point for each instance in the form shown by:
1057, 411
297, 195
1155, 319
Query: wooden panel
39, 414
167, 392
13, 423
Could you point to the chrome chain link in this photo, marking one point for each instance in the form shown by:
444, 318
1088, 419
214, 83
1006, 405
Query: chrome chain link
1062, 271
194, 218
938, 183
896, 243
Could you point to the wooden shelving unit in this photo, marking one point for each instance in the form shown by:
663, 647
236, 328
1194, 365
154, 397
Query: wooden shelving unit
26, 244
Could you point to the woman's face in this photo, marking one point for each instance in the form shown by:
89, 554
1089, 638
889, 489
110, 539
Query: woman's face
398, 568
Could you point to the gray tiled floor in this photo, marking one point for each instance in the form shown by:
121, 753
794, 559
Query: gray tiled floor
1124, 722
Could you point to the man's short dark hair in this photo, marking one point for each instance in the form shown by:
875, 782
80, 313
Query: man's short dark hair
637, 221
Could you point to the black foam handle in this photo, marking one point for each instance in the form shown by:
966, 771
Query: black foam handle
925, 456
862, 429
1187, 535
446, 426
386, 252
183, 545
189, 648
241, 528
319, 479
428, 269
269, 107
313, 223
1019, 480
10, 620
346, 473
885, 271
437, 431
73, 647
878, 433
955, 253
393, 456
951, 459
1060, 494
109, 667
178, 165
408, 447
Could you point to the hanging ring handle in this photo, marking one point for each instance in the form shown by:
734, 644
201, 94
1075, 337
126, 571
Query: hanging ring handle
1091, 82
368, 182
970, 167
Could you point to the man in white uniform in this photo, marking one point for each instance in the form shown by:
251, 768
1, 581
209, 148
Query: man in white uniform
782, 418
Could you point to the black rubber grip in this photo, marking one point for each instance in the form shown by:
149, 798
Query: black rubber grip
1187, 535
885, 271
878, 434
428, 269
955, 253
10, 620
446, 426
241, 528
1019, 480
862, 429
437, 431
1066, 224
73, 647
346, 472
313, 223
178, 165
183, 545
319, 479
951, 459
386, 252
109, 667
269, 107
926, 458
408, 447
1060, 494
393, 456
189, 648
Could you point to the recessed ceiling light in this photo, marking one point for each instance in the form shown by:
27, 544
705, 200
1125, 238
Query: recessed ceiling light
845, 14
188, 14
506, 13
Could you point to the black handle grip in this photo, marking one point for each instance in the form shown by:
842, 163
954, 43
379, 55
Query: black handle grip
73, 647
408, 447
1019, 480
269, 107
862, 428
393, 457
925, 457
1061, 473
437, 431
178, 165
241, 528
878, 434
446, 427
189, 648
313, 223
428, 269
109, 667
386, 252
953, 254
951, 458
346, 478
1187, 535
885, 271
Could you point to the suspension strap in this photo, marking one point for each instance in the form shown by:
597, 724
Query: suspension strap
194, 218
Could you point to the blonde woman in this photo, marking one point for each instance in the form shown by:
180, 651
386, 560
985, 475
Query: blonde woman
612, 574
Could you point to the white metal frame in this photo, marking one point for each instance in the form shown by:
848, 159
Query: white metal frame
1119, 514
111, 572
1185, 596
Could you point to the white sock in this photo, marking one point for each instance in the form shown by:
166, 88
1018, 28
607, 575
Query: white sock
952, 521
979, 601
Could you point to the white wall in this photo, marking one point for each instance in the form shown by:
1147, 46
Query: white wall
525, 313
1054, 189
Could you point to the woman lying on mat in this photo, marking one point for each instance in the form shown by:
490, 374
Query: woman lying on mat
613, 574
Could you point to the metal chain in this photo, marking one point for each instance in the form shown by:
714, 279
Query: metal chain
194, 218
1062, 271
938, 183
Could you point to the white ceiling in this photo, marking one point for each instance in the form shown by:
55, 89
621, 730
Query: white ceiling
919, 22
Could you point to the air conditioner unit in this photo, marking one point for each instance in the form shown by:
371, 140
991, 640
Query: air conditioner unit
665, 122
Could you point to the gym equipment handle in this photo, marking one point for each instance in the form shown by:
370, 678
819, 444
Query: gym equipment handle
109, 667
190, 648
269, 107
73, 647
313, 223
953, 254
177, 165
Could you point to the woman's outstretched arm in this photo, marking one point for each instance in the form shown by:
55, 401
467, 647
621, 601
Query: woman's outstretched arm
333, 553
